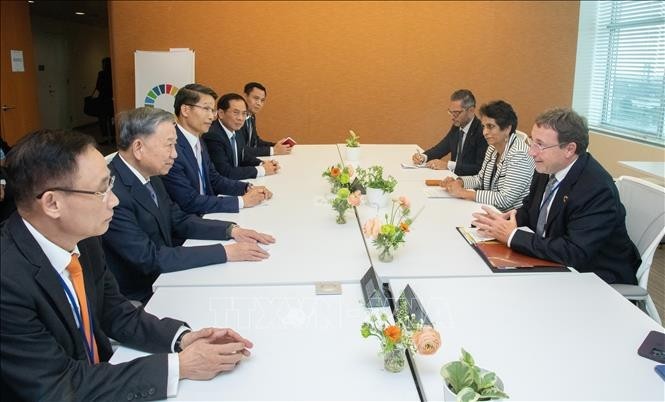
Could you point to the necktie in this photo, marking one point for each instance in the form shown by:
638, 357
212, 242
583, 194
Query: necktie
197, 154
460, 145
235, 150
76, 276
151, 190
249, 129
542, 214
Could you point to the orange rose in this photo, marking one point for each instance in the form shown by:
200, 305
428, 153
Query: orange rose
427, 340
335, 171
393, 333
404, 227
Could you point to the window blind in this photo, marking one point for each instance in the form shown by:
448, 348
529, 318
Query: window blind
620, 76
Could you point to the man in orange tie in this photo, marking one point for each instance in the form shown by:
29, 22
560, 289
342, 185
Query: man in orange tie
59, 304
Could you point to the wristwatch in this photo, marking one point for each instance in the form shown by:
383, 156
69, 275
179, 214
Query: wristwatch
229, 229
177, 347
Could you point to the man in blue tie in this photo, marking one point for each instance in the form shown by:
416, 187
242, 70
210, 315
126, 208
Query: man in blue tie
226, 145
193, 182
572, 214
142, 240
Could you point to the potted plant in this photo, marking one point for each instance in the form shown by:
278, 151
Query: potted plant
406, 333
377, 187
467, 382
352, 147
390, 233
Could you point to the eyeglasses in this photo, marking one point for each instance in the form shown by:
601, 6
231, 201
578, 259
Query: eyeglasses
103, 194
206, 108
456, 113
539, 147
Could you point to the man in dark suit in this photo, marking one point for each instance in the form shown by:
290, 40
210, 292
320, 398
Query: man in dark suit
464, 142
255, 95
141, 241
193, 182
227, 147
572, 214
59, 304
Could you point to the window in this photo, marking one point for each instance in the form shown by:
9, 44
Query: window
620, 71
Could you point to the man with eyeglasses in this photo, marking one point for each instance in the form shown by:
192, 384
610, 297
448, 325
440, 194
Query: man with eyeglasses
572, 214
256, 95
464, 142
193, 182
226, 145
60, 304
143, 238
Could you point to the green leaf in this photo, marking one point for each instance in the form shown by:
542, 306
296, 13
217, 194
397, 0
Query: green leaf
456, 374
467, 395
474, 377
486, 380
494, 393
467, 358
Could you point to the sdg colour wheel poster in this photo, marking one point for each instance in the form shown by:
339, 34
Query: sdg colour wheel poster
159, 75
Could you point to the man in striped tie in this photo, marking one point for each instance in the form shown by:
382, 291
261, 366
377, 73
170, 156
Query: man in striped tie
572, 214
59, 304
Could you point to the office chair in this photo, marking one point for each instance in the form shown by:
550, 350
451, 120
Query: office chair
645, 222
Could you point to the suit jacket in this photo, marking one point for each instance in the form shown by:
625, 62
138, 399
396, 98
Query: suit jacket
221, 153
140, 244
586, 224
503, 183
473, 152
182, 182
43, 357
255, 145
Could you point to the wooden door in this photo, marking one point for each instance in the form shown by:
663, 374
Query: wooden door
19, 113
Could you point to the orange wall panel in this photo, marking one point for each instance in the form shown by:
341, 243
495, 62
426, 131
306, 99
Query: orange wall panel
384, 69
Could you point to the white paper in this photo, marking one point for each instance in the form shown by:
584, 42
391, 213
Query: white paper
476, 236
412, 166
17, 61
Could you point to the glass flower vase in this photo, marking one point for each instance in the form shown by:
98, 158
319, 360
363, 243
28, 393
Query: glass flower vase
394, 360
386, 255
341, 219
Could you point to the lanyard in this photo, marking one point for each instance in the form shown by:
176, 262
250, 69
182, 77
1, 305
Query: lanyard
549, 195
77, 314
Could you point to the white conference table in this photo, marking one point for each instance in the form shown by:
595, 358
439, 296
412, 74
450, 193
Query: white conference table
656, 169
311, 247
306, 347
554, 337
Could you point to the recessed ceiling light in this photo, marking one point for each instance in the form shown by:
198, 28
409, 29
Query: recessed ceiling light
79, 13
31, 1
